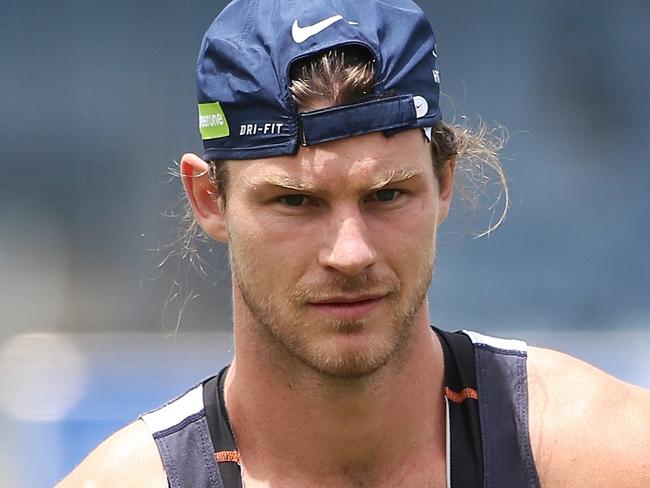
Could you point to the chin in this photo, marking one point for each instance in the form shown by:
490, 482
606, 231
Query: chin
348, 366
352, 354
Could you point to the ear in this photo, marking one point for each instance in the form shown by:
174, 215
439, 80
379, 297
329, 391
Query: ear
204, 197
445, 190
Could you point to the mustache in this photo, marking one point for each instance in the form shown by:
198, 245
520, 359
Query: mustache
341, 284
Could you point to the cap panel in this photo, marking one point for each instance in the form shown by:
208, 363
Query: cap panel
409, 63
237, 71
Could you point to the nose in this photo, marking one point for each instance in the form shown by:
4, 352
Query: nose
348, 248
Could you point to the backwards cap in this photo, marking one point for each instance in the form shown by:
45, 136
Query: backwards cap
246, 109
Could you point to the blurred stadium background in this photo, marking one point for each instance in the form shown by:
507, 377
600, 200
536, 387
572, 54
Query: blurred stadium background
97, 101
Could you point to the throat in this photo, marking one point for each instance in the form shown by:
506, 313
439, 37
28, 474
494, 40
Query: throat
353, 435
345, 432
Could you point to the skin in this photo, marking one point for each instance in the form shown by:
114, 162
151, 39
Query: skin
332, 252
587, 428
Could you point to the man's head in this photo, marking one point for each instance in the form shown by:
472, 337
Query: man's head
332, 241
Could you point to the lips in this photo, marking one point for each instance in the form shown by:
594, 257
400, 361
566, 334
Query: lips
348, 307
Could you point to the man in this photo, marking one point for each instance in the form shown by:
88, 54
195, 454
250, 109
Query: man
327, 171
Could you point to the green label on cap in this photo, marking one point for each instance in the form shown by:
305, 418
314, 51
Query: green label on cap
212, 121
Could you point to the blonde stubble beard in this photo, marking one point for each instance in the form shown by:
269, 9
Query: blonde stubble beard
287, 337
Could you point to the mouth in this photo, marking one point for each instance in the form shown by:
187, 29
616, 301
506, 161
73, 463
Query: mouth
348, 307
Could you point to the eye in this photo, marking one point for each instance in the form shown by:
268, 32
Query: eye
293, 200
386, 195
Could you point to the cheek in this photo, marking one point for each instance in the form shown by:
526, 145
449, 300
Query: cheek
410, 233
270, 246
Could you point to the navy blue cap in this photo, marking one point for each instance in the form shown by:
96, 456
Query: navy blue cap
246, 109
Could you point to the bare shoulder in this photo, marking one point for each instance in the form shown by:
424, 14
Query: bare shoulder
587, 428
128, 458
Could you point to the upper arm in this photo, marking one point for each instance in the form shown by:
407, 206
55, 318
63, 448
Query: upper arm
128, 458
587, 427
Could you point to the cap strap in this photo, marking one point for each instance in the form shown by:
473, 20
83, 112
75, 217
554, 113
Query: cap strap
388, 113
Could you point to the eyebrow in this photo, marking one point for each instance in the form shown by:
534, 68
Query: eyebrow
391, 177
280, 181
395, 176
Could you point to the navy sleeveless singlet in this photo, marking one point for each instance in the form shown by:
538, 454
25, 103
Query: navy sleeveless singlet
486, 396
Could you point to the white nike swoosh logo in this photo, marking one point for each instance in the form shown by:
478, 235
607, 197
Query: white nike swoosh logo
301, 34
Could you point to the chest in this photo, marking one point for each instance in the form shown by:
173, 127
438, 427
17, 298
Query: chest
429, 471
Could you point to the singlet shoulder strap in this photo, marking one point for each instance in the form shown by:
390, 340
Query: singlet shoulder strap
502, 389
223, 440
464, 444
180, 430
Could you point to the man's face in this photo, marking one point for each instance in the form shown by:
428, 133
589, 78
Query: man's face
332, 250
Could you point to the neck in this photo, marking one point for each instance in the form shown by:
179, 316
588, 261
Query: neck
285, 412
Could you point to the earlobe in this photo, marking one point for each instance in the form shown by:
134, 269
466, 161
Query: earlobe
203, 196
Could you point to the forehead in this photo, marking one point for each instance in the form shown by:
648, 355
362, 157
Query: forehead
355, 161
